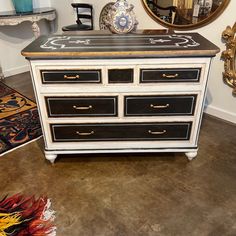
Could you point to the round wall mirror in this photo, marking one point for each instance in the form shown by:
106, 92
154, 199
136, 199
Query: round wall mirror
184, 14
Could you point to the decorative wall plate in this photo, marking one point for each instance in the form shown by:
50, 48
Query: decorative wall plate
103, 16
121, 18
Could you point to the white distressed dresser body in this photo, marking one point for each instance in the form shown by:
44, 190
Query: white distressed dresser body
120, 102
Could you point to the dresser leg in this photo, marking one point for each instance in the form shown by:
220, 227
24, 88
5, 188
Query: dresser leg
190, 155
51, 157
1, 74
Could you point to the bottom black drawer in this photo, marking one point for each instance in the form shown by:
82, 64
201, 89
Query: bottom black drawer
121, 131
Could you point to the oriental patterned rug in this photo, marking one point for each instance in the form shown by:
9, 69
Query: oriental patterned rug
19, 120
26, 216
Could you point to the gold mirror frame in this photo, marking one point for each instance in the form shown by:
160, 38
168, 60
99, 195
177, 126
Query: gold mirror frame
229, 57
201, 23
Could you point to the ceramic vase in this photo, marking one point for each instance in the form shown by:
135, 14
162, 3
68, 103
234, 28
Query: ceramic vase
23, 6
121, 18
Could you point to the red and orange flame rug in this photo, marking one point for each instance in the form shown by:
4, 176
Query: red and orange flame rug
21, 215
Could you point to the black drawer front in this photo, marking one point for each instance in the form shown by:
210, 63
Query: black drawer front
70, 76
169, 75
168, 105
81, 106
120, 75
121, 132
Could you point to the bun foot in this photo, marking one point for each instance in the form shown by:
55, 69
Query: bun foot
51, 157
191, 155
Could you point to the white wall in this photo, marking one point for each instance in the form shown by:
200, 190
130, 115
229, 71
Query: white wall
14, 38
220, 101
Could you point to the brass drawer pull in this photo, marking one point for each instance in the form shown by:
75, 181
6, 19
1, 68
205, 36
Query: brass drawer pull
156, 132
159, 106
84, 134
83, 108
71, 77
170, 76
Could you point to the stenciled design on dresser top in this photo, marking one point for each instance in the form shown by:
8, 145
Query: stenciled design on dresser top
173, 41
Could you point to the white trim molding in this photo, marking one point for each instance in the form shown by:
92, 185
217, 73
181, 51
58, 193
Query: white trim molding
16, 70
221, 113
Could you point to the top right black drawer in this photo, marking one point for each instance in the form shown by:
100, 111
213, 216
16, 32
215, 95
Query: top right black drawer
169, 75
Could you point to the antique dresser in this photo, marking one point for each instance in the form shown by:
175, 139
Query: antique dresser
104, 93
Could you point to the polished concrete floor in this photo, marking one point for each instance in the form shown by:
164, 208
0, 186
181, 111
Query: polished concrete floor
132, 195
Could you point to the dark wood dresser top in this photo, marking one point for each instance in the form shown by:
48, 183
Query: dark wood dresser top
98, 45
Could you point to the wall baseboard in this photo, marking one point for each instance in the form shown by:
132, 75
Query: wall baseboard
221, 113
16, 70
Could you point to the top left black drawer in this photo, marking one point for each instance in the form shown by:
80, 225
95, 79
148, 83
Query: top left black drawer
70, 76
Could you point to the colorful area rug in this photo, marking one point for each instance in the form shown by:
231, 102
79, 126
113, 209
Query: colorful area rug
26, 216
19, 120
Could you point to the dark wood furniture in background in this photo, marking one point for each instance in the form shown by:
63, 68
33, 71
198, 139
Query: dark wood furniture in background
81, 17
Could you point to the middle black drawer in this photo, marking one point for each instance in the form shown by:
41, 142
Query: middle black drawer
81, 106
160, 105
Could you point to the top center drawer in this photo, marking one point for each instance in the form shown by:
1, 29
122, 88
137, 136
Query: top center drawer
70, 76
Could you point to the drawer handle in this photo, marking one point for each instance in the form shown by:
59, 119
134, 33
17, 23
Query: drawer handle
84, 134
170, 76
157, 132
71, 77
159, 106
83, 108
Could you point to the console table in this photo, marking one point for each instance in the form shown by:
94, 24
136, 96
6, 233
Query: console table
100, 93
11, 18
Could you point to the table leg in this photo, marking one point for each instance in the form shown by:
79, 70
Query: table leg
52, 26
1, 74
36, 29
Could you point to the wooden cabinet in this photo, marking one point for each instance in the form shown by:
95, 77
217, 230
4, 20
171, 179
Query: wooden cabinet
132, 93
